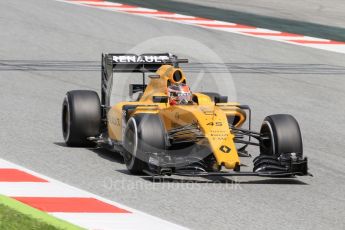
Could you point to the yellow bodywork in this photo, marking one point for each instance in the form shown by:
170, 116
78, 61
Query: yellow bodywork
211, 118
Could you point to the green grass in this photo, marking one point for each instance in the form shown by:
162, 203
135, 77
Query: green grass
11, 219
16, 215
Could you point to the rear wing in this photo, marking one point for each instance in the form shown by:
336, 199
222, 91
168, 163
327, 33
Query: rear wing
140, 63
131, 63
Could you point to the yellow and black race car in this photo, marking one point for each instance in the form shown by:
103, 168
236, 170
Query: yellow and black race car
169, 130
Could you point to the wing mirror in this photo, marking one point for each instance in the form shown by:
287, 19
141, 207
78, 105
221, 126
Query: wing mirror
160, 99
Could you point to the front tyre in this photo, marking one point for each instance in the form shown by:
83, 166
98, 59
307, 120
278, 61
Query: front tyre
281, 148
81, 117
144, 134
280, 135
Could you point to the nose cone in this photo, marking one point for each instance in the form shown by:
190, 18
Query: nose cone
225, 151
216, 129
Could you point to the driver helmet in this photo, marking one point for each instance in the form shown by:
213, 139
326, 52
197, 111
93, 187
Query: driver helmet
179, 94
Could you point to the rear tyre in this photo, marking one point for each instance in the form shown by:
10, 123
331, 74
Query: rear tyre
144, 133
282, 135
81, 117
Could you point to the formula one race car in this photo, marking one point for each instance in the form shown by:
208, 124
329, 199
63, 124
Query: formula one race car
168, 130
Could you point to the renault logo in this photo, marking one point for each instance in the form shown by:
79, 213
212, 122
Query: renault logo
224, 149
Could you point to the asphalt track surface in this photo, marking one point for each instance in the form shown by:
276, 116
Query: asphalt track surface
327, 13
313, 18
49, 47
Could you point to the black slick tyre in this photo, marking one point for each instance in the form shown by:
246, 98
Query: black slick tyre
144, 133
81, 117
281, 135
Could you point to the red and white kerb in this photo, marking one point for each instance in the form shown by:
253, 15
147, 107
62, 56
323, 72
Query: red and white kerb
296, 39
74, 205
